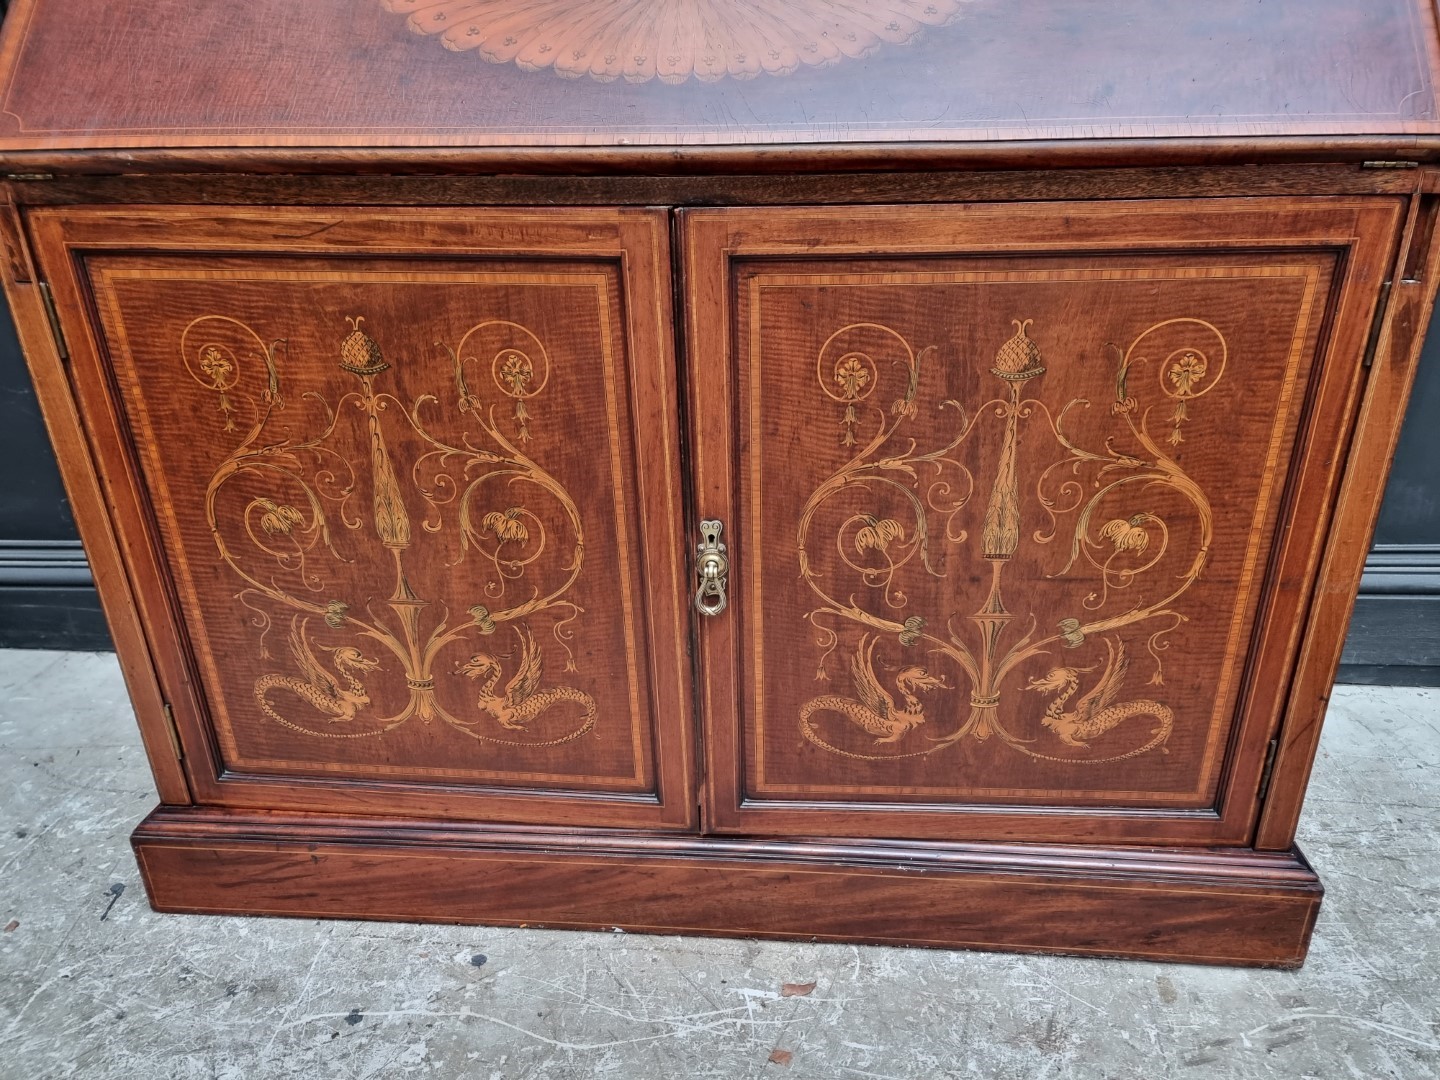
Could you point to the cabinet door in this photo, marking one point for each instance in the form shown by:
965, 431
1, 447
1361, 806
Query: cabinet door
399, 493
1023, 505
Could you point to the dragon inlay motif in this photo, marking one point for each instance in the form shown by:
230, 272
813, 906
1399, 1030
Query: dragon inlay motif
523, 699
1094, 714
873, 709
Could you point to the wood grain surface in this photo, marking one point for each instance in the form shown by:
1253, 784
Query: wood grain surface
336, 73
1227, 908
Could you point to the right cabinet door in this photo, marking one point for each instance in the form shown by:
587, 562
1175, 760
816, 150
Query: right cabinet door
1024, 504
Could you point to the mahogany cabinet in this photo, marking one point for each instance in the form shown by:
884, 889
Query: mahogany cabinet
559, 502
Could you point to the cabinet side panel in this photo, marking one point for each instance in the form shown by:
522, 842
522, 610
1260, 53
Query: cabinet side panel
92, 513
1394, 362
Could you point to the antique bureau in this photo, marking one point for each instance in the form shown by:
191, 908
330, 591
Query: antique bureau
888, 472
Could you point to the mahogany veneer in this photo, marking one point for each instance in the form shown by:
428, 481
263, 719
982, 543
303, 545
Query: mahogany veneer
1041, 369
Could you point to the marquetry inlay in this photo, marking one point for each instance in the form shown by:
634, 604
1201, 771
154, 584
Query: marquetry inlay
672, 40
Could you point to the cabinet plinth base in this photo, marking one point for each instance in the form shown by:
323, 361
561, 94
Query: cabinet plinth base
1231, 906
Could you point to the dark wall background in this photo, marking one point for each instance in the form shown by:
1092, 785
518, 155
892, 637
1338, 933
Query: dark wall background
1395, 633
46, 599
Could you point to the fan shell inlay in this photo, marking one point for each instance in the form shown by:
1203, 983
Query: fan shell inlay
672, 40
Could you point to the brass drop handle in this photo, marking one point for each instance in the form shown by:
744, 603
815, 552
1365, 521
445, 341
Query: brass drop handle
711, 566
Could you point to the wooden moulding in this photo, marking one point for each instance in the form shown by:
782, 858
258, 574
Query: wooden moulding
880, 157
829, 188
1204, 906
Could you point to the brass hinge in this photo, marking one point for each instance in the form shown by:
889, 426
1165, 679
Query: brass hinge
48, 299
1269, 769
1382, 306
1389, 164
173, 732
29, 176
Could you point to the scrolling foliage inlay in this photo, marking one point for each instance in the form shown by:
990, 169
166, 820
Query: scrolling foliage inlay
491, 488
1106, 520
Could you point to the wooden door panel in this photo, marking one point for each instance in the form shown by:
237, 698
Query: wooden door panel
1002, 514
406, 508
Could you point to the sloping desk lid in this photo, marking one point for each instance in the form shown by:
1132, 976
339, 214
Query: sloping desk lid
491, 74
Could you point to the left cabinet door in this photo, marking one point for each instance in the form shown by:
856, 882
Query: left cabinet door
398, 492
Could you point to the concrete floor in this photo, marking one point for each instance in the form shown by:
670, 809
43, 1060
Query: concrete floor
96, 985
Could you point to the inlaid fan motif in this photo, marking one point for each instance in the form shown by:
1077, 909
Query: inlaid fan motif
672, 40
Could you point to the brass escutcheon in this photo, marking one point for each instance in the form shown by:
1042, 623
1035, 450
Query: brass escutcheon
711, 566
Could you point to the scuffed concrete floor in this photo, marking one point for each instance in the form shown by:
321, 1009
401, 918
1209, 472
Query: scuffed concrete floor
96, 985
